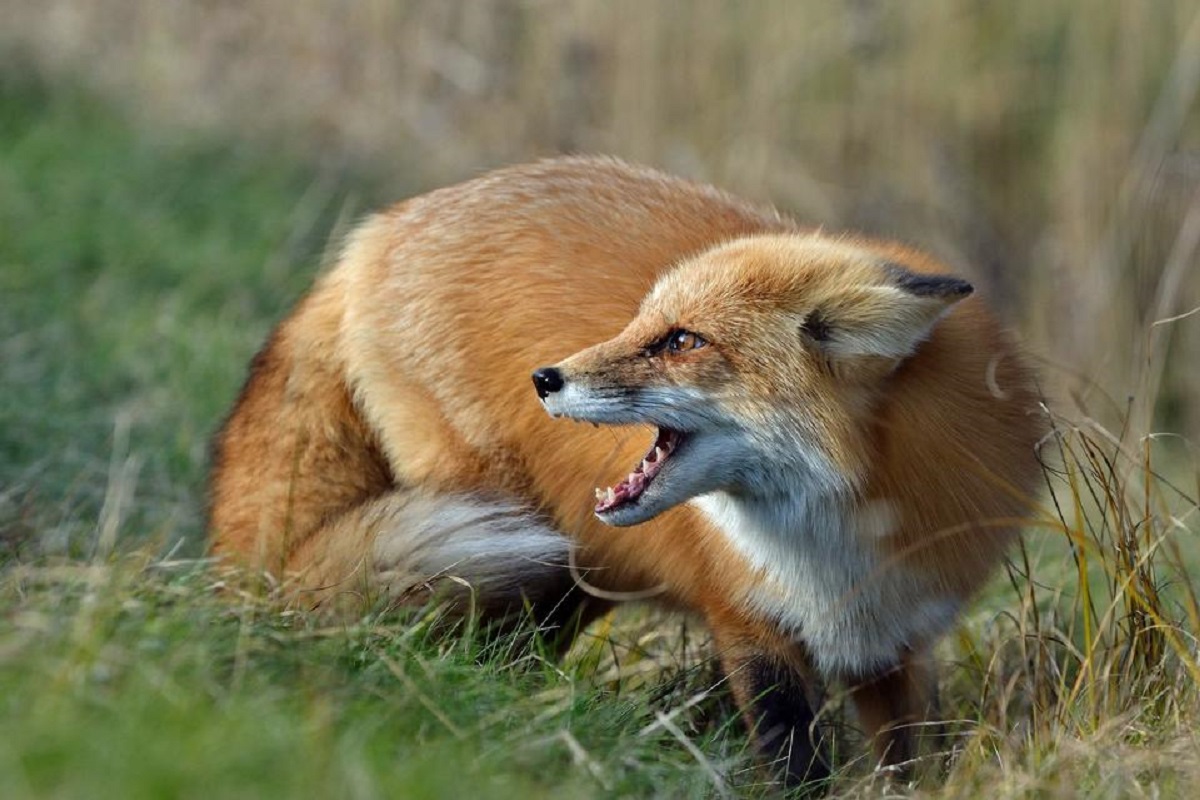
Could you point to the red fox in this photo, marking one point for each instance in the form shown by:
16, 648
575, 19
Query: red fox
832, 441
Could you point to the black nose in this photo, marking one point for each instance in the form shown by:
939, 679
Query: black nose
547, 380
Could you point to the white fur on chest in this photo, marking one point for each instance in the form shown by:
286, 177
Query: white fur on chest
824, 581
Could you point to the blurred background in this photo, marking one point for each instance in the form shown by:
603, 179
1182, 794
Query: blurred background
1050, 149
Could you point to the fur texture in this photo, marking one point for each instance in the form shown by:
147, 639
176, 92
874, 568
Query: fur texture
840, 473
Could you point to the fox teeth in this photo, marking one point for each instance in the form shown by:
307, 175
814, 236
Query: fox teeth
658, 453
599, 493
610, 497
645, 466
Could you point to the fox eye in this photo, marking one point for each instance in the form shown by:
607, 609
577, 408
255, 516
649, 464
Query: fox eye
681, 341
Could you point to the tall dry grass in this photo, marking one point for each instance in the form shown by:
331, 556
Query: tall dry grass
1088, 685
1049, 148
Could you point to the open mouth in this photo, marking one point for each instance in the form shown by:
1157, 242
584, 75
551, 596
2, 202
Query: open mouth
634, 485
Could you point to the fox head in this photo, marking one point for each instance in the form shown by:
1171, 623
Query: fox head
758, 361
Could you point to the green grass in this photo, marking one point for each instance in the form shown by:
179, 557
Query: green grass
128, 681
138, 275
137, 278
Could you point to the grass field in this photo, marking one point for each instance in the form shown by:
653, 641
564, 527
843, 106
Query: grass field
138, 275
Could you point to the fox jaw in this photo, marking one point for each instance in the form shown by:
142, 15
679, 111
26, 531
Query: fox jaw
758, 363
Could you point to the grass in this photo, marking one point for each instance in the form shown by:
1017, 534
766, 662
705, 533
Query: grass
134, 679
139, 277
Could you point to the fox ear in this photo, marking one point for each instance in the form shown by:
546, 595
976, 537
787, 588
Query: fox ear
889, 319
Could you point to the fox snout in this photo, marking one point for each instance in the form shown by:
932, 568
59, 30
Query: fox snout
547, 381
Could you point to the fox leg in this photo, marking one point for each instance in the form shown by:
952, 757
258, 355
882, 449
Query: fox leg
486, 557
774, 691
893, 703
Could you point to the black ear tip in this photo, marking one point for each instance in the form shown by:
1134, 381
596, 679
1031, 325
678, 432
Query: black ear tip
924, 285
957, 287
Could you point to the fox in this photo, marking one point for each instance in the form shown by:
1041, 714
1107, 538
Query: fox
822, 444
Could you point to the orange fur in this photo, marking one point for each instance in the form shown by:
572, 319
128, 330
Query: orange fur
397, 395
